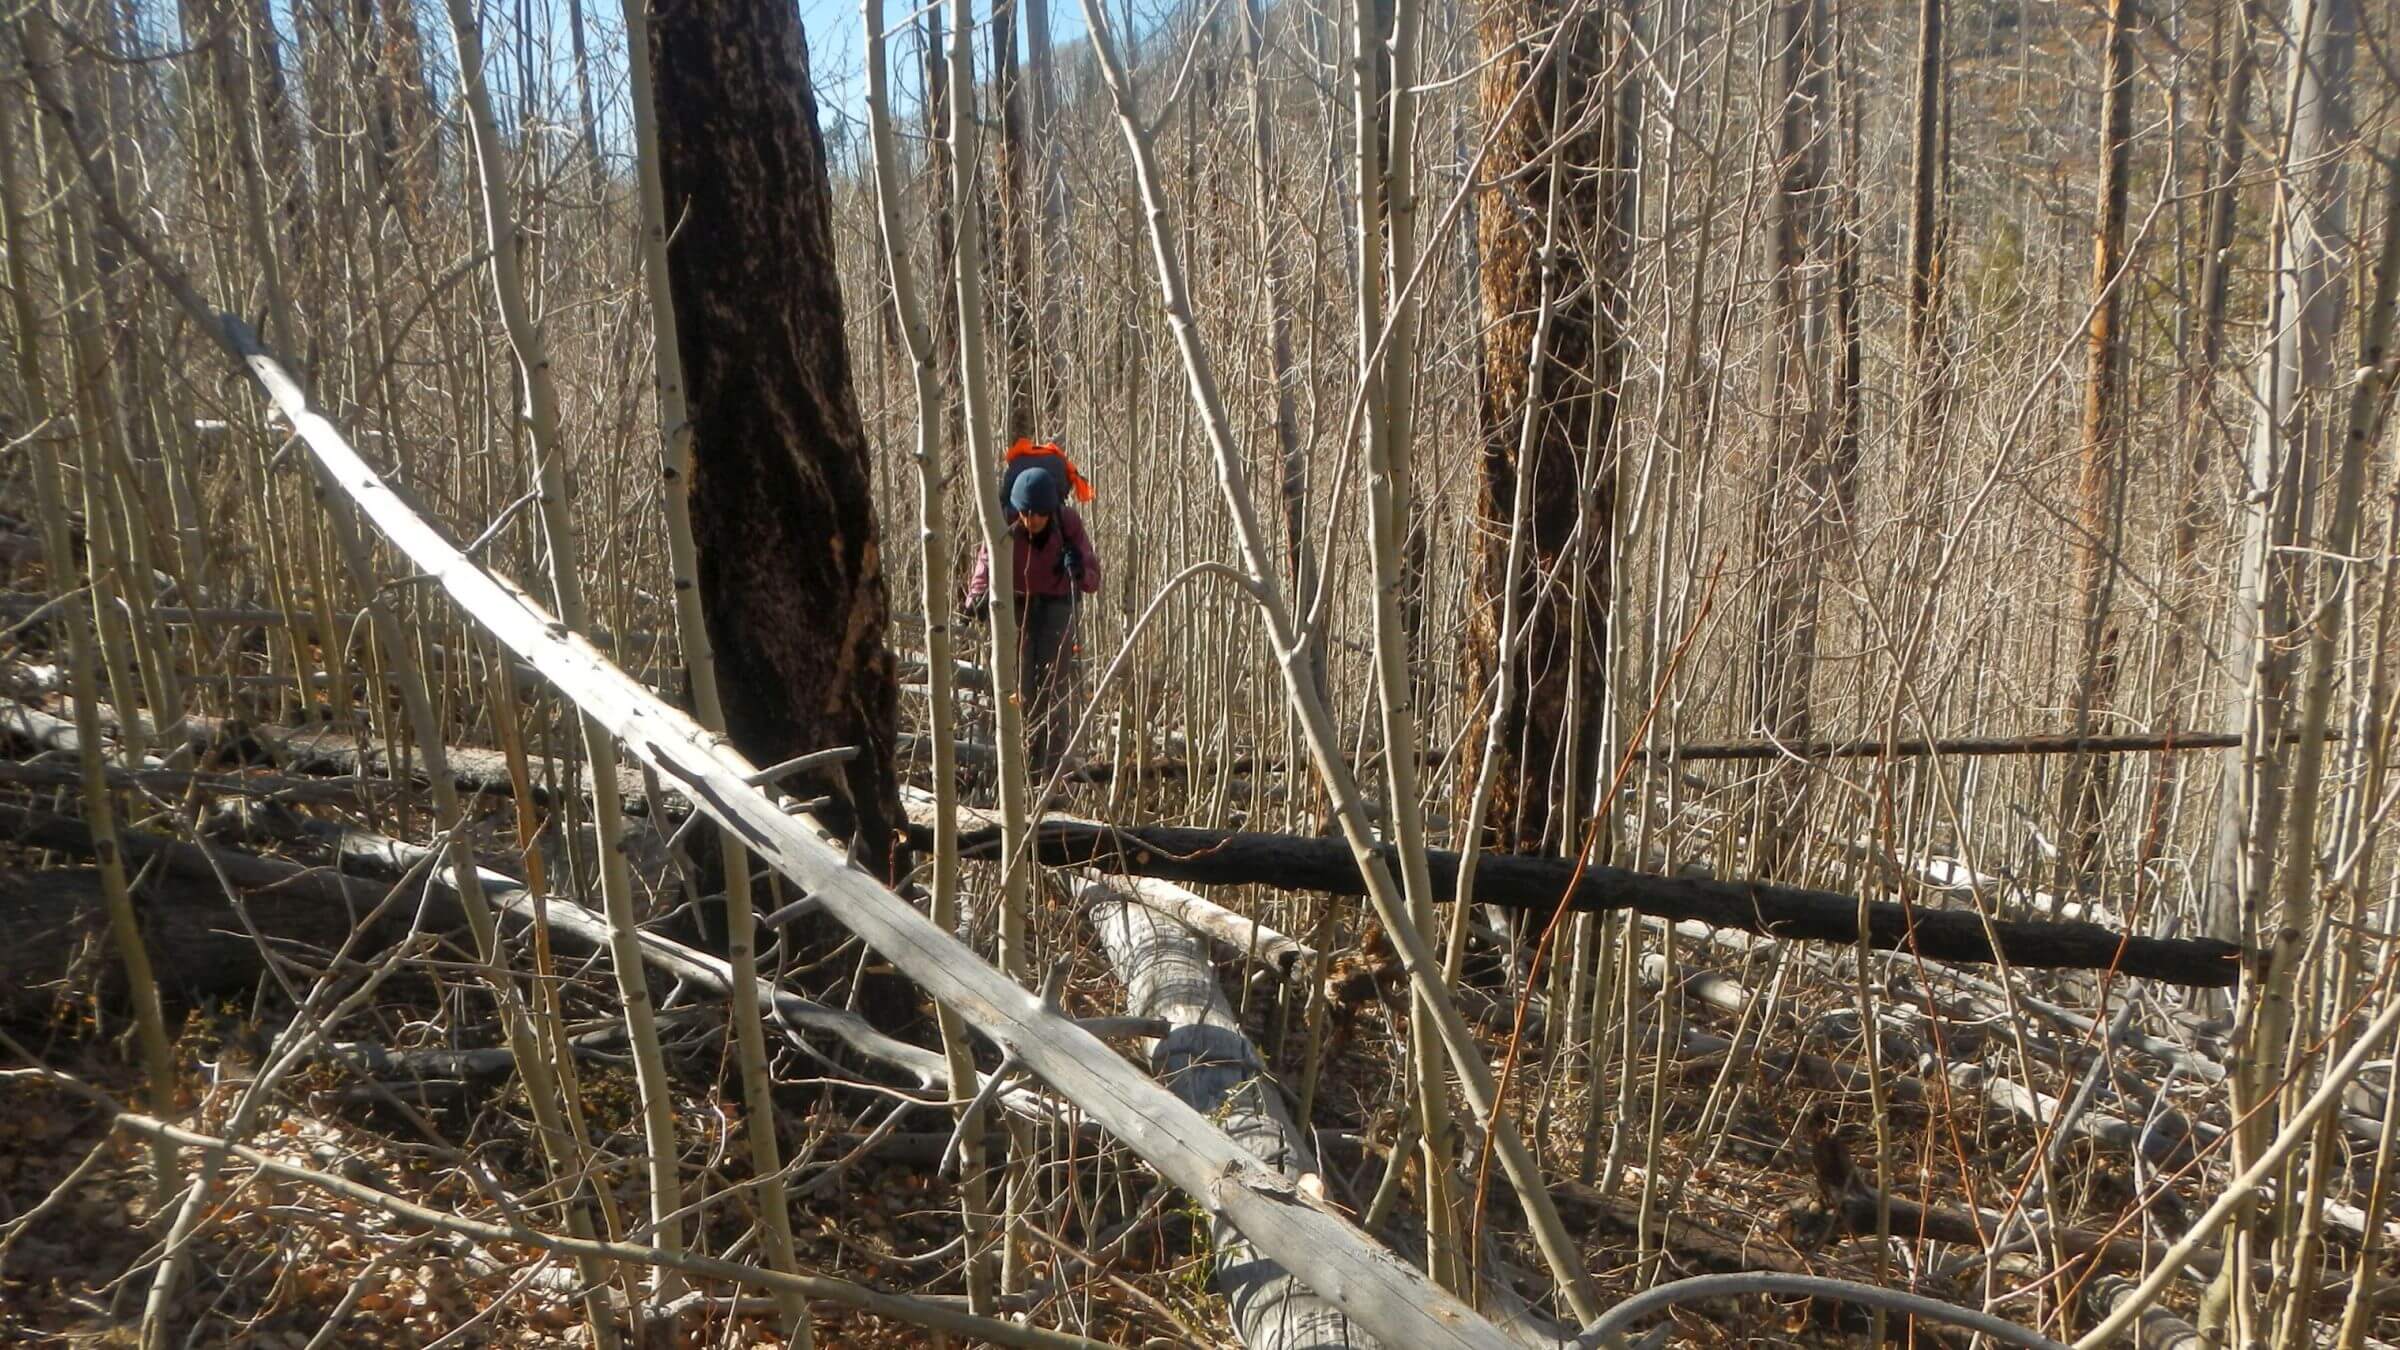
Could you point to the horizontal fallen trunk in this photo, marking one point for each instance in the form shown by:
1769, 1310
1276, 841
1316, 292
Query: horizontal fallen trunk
1961, 746
333, 791
50, 919
1516, 881
1237, 932
17, 607
2156, 1328
321, 905
1207, 1061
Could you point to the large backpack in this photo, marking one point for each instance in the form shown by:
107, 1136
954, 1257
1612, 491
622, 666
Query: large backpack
1024, 455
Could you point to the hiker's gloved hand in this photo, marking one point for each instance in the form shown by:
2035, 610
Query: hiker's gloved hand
1071, 563
976, 609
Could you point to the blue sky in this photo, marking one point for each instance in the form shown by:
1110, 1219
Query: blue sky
837, 49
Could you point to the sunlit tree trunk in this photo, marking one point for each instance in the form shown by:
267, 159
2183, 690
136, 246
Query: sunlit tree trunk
2100, 495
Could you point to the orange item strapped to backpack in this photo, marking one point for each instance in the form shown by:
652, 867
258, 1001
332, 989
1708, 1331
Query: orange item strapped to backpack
1025, 449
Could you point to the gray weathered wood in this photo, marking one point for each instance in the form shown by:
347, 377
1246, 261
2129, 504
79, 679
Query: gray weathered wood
1210, 1064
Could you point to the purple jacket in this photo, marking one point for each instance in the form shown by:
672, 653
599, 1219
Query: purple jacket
1040, 570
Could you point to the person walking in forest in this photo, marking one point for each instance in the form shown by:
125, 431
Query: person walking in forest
1054, 566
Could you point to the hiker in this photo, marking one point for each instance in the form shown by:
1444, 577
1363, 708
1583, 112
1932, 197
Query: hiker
1054, 564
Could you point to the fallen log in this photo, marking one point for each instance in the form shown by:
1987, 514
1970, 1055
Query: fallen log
49, 918
2156, 1328
17, 607
320, 749
1961, 746
1237, 932
335, 791
37, 732
1211, 1065
327, 904
1515, 881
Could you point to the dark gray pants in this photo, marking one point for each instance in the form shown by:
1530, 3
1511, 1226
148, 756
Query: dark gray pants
1046, 678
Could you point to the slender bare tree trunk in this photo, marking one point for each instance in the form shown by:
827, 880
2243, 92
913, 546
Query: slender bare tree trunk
2306, 298
2195, 434
934, 594
1796, 507
1024, 412
58, 551
2101, 490
540, 392
1300, 550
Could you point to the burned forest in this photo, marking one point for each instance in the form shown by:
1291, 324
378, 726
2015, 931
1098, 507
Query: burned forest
1217, 673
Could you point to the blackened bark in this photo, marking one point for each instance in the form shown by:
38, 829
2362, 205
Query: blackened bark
790, 567
1545, 885
1548, 747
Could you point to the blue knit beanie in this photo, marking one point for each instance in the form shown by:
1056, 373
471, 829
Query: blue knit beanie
1036, 490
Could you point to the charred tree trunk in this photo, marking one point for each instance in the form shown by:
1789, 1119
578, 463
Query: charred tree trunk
2102, 486
790, 568
1547, 749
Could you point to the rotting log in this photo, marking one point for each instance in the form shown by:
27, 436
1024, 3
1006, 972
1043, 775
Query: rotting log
50, 919
1207, 1061
1305, 863
319, 903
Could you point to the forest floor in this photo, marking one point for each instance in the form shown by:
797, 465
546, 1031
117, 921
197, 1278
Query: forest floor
1719, 1157
279, 1266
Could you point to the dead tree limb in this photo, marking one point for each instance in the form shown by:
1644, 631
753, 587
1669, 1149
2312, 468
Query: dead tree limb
1958, 746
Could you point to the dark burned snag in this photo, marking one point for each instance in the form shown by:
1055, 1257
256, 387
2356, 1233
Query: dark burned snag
1293, 862
790, 566
1567, 452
